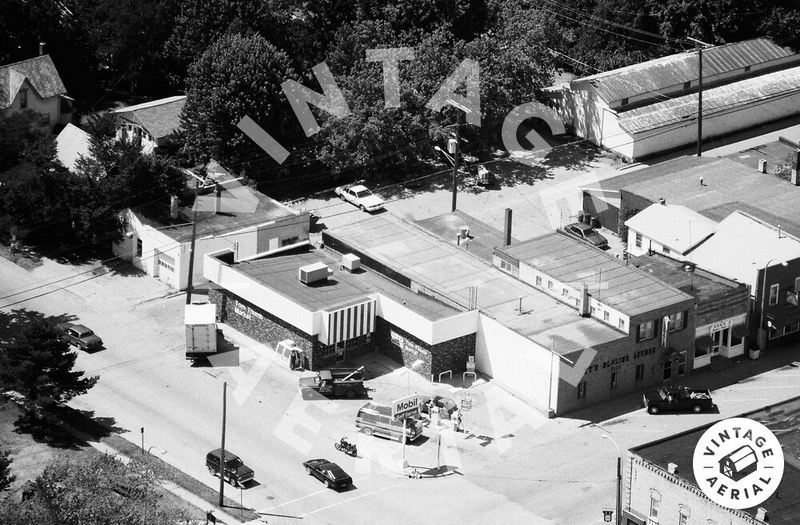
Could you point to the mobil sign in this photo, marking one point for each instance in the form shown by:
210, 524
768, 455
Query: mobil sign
405, 406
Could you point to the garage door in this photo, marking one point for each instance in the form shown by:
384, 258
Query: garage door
165, 269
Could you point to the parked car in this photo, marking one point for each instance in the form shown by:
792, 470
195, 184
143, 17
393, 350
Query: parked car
328, 472
376, 419
587, 234
445, 405
360, 196
674, 398
80, 336
236, 472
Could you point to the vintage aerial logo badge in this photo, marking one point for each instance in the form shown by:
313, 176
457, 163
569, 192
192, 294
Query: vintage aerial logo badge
738, 463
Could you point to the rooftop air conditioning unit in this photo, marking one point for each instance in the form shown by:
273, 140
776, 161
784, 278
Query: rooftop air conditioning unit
351, 262
312, 273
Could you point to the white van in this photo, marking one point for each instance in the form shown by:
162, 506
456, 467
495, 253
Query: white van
377, 419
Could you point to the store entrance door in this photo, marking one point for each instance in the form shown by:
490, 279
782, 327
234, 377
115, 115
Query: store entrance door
720, 338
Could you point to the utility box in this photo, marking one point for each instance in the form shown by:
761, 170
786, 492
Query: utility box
200, 321
351, 262
312, 273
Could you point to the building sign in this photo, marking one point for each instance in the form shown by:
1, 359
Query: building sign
405, 406
721, 325
408, 346
665, 331
244, 311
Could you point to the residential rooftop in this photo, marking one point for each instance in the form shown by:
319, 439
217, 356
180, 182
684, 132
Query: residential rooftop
447, 270
71, 144
671, 225
237, 207
39, 71
614, 283
783, 420
159, 117
672, 70
280, 273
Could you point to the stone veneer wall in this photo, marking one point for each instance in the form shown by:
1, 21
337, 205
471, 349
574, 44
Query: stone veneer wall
260, 325
449, 355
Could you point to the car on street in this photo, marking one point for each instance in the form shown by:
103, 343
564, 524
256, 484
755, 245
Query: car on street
587, 234
674, 398
445, 405
235, 471
360, 196
80, 336
328, 472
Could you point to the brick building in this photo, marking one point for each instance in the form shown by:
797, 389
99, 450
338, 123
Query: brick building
656, 493
655, 321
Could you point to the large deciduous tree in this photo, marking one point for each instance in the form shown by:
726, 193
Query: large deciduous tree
6, 478
237, 76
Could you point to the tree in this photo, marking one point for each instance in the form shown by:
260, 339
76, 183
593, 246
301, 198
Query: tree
18, 132
40, 366
93, 489
237, 76
6, 478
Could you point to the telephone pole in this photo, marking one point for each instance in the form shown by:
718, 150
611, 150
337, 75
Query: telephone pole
456, 157
700, 46
191, 246
222, 446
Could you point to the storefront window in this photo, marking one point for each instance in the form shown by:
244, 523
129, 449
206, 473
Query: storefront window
773, 293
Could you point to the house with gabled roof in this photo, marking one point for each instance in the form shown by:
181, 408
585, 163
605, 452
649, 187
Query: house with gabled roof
669, 229
649, 108
35, 84
152, 121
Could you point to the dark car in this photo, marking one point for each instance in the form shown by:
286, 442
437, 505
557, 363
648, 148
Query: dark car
446, 405
587, 234
80, 336
236, 472
328, 472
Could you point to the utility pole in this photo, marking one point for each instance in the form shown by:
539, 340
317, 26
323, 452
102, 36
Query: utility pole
619, 489
191, 246
222, 446
700, 45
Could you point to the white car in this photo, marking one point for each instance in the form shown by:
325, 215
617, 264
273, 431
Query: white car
360, 196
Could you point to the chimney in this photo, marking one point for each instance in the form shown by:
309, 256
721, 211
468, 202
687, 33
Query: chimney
217, 198
761, 514
585, 308
795, 179
662, 201
672, 468
762, 165
173, 207
507, 228
42, 48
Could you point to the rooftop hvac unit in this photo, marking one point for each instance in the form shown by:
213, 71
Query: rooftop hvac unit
312, 273
351, 262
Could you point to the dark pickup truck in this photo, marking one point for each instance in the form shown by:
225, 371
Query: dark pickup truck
335, 382
674, 398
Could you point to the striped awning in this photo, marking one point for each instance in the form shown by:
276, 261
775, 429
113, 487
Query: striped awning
349, 322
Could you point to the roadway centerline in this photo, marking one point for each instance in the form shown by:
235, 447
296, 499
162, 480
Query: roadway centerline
348, 500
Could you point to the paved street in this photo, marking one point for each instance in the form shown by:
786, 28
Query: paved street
517, 465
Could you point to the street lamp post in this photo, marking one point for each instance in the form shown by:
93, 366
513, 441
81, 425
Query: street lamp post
144, 500
762, 330
619, 479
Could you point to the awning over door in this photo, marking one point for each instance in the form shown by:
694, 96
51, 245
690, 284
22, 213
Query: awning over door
740, 331
704, 342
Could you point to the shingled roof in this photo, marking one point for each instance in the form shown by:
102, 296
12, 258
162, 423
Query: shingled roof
39, 71
159, 117
672, 70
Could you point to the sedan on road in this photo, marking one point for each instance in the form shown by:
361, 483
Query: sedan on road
587, 234
328, 472
80, 336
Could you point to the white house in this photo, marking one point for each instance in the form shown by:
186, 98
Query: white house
236, 217
669, 229
152, 121
35, 84
647, 108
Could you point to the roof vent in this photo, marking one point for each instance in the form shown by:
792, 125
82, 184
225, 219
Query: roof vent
672, 468
312, 273
350, 262
762, 165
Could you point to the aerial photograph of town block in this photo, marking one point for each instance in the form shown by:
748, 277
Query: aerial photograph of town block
397, 262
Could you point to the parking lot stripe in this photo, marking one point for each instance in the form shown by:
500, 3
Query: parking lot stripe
347, 500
